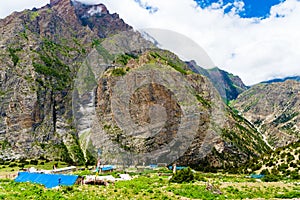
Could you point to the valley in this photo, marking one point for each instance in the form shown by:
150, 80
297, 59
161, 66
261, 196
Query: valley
79, 86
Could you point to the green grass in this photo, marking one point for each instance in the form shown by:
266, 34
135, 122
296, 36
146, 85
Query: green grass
150, 185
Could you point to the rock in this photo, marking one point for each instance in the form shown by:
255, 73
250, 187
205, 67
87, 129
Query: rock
274, 109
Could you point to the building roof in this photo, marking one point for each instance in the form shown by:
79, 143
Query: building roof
48, 180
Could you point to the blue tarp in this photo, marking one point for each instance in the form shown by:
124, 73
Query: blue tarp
257, 176
177, 167
48, 180
153, 166
108, 168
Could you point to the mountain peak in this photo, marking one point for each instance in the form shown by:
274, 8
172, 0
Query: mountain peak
87, 11
64, 9
61, 2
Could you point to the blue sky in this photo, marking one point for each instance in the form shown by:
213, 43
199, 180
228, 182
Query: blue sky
255, 39
252, 8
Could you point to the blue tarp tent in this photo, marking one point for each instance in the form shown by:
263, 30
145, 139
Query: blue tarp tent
258, 176
153, 166
48, 180
177, 167
108, 168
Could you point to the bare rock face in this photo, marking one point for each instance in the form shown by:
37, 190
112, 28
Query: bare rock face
98, 19
147, 111
274, 110
40, 53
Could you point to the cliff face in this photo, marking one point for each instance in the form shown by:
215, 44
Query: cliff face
40, 53
75, 77
274, 109
151, 108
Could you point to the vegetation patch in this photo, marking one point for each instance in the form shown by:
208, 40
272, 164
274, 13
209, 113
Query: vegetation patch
118, 71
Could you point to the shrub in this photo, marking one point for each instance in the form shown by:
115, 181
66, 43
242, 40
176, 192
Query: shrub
293, 165
184, 175
270, 178
283, 167
21, 165
295, 175
118, 72
12, 165
33, 162
265, 172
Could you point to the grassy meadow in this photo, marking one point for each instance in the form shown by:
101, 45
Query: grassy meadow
154, 184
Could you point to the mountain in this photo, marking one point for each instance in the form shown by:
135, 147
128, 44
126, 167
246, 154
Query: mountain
77, 81
223, 139
228, 85
295, 78
283, 161
41, 52
274, 109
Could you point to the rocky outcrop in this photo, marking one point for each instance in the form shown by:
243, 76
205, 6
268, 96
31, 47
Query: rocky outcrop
274, 110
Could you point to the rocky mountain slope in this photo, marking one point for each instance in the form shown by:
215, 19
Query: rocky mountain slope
228, 85
284, 161
41, 51
133, 98
75, 78
274, 109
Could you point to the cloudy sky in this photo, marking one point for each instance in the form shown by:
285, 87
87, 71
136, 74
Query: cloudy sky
255, 39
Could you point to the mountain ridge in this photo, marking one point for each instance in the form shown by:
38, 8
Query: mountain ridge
43, 51
273, 108
276, 80
228, 85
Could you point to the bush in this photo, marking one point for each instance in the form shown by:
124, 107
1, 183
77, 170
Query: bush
265, 172
33, 162
183, 176
118, 72
295, 175
12, 165
21, 165
270, 178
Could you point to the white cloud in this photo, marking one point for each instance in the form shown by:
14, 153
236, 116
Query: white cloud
8, 7
254, 49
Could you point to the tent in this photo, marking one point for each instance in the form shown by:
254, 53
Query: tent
107, 168
48, 180
177, 167
257, 176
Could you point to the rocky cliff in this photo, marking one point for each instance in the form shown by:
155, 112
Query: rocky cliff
151, 108
40, 53
228, 85
75, 77
274, 109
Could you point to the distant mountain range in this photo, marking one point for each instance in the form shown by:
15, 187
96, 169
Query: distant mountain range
278, 80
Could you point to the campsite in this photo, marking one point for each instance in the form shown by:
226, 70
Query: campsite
150, 182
